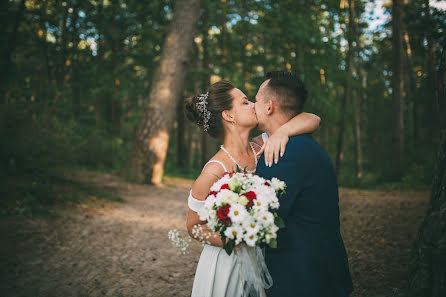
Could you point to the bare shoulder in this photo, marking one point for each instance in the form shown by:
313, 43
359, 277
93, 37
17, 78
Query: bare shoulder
202, 185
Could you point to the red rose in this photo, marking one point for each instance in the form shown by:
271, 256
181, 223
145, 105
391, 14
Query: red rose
267, 184
212, 193
250, 196
228, 173
222, 214
225, 186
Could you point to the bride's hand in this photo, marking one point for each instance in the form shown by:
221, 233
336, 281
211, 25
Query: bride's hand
274, 146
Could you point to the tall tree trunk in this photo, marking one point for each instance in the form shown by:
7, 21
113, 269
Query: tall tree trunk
223, 40
75, 80
5, 73
182, 148
114, 100
98, 109
350, 35
412, 86
442, 87
205, 85
431, 59
145, 162
397, 89
359, 104
61, 69
428, 268
44, 43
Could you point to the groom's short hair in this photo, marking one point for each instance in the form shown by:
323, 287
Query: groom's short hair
289, 91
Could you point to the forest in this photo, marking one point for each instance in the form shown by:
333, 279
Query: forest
76, 77
99, 85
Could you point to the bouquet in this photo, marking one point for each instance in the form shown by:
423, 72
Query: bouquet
242, 207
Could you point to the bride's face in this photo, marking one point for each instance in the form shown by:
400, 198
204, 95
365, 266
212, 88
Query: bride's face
243, 110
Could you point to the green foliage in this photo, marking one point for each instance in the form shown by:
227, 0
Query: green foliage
76, 75
40, 151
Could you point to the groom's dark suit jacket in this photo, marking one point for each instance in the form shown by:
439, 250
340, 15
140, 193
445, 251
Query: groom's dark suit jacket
310, 258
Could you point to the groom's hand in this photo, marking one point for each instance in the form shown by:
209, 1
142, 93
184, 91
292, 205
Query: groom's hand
274, 146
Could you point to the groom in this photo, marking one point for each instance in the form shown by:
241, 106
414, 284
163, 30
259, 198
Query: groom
310, 259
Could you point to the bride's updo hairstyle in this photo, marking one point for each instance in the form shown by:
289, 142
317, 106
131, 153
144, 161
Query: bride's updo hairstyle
205, 109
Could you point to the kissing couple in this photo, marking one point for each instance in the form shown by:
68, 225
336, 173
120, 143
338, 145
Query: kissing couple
310, 259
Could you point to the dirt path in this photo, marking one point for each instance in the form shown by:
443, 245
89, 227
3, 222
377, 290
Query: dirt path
122, 249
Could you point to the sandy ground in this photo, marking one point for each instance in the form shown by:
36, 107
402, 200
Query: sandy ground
122, 249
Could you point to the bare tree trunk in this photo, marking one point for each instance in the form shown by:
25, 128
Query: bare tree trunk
43, 41
412, 86
223, 40
442, 87
5, 74
75, 83
431, 60
204, 86
145, 163
114, 101
397, 89
61, 69
182, 148
359, 102
350, 34
428, 268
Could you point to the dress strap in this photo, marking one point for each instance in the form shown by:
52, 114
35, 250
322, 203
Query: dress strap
264, 137
215, 161
194, 203
255, 144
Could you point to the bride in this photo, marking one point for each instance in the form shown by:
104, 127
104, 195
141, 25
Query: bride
225, 113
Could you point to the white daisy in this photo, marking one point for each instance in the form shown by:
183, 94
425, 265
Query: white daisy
250, 239
237, 212
277, 184
234, 232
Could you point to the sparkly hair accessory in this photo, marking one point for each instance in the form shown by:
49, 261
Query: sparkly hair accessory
202, 108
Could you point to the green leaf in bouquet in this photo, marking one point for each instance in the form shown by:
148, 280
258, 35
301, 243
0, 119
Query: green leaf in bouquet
273, 243
279, 222
282, 192
229, 246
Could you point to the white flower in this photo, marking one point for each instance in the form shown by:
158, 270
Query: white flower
277, 184
210, 201
268, 238
274, 204
237, 212
226, 196
266, 218
203, 213
234, 232
242, 200
259, 205
217, 185
251, 226
234, 184
250, 239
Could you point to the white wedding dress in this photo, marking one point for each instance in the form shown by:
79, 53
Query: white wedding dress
217, 274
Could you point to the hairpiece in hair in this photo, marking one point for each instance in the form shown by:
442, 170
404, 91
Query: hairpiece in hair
202, 108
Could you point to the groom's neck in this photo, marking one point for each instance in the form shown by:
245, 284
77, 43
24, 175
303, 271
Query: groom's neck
276, 122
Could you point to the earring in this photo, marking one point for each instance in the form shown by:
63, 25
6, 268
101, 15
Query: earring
234, 123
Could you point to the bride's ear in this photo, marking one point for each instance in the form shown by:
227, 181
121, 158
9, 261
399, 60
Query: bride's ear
227, 116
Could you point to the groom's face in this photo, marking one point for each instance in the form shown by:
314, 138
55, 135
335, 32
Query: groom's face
262, 105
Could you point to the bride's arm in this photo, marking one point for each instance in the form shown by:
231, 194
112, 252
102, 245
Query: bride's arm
197, 229
276, 143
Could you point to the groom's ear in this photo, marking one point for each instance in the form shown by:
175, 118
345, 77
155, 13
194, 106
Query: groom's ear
269, 107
